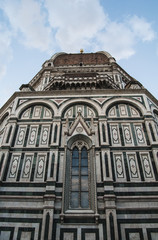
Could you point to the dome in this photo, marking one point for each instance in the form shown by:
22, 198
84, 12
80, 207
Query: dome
71, 59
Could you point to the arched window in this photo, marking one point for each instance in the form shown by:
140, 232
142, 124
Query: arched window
79, 196
79, 184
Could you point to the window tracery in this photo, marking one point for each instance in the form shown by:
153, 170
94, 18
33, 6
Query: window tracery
79, 176
79, 190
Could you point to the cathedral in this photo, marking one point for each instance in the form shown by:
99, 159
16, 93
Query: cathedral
79, 154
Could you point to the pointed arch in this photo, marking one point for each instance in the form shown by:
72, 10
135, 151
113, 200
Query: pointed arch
79, 175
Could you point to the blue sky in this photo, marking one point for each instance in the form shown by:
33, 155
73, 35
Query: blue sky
31, 31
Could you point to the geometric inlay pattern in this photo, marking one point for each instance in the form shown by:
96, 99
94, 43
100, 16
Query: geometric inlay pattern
134, 112
112, 112
44, 135
139, 134
119, 166
115, 136
83, 109
146, 165
14, 166
134, 236
37, 111
21, 135
132, 166
32, 136
127, 134
123, 110
26, 114
27, 166
40, 166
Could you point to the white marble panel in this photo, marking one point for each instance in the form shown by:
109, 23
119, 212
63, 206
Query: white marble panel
5, 235
134, 236
90, 236
68, 236
25, 236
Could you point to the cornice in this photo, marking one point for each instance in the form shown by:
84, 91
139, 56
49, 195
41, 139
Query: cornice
78, 93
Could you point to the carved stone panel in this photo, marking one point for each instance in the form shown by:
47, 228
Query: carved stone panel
133, 168
127, 134
134, 236
21, 135
32, 135
40, 166
119, 166
139, 134
27, 166
44, 135
147, 166
14, 166
123, 110
115, 134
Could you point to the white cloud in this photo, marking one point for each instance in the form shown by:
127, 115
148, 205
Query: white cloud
84, 24
27, 17
118, 39
141, 28
76, 22
69, 25
121, 37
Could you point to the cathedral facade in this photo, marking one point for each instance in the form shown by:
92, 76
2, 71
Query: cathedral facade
79, 154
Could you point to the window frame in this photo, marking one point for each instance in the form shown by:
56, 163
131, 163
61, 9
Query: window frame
79, 145
92, 210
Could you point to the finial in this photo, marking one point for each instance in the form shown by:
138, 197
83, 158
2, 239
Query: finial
81, 50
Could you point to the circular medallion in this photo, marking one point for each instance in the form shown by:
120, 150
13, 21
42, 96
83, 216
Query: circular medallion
79, 129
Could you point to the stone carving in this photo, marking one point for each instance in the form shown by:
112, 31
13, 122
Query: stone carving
79, 129
139, 134
112, 112
26, 114
37, 112
115, 136
14, 167
32, 138
123, 110
44, 138
27, 167
147, 166
133, 166
40, 167
119, 166
21, 136
134, 112
134, 236
127, 134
